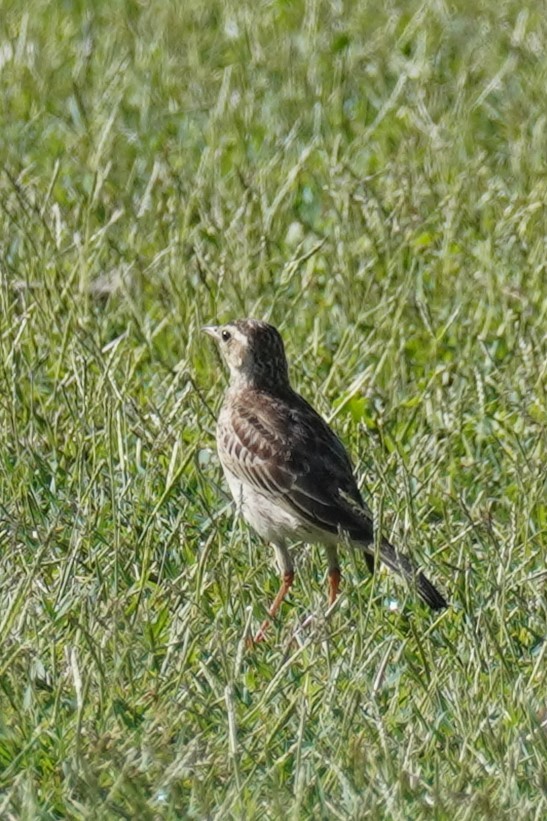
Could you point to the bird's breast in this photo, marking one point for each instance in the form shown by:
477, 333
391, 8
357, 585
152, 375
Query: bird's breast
271, 520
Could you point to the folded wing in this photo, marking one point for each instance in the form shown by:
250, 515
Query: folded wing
287, 450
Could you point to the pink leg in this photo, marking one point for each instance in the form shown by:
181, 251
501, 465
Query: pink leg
286, 585
334, 583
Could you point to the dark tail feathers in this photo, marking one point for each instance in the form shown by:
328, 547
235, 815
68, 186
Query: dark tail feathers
403, 566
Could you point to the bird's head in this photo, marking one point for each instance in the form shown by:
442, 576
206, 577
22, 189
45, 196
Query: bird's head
254, 353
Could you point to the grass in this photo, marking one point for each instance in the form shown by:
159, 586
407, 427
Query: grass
370, 177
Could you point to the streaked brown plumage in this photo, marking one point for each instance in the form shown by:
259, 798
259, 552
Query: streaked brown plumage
288, 472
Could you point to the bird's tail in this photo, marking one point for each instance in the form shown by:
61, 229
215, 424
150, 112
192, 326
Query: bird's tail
402, 565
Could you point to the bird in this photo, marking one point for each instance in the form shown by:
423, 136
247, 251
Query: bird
288, 472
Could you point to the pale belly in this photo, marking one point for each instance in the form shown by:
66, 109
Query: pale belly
270, 520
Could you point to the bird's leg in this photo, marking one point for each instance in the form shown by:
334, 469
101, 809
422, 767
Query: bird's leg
286, 568
286, 584
334, 573
334, 583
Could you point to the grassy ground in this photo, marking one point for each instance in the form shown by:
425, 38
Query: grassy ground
371, 177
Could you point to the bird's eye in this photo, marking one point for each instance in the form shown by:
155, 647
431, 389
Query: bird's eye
226, 336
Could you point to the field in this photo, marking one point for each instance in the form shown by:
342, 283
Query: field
371, 178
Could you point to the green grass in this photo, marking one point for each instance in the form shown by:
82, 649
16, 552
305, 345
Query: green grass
370, 177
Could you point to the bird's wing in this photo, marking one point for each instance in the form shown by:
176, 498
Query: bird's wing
287, 450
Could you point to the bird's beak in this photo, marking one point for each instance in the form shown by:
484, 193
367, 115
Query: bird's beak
211, 330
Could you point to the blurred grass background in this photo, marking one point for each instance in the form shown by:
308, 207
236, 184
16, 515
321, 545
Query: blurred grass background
370, 177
